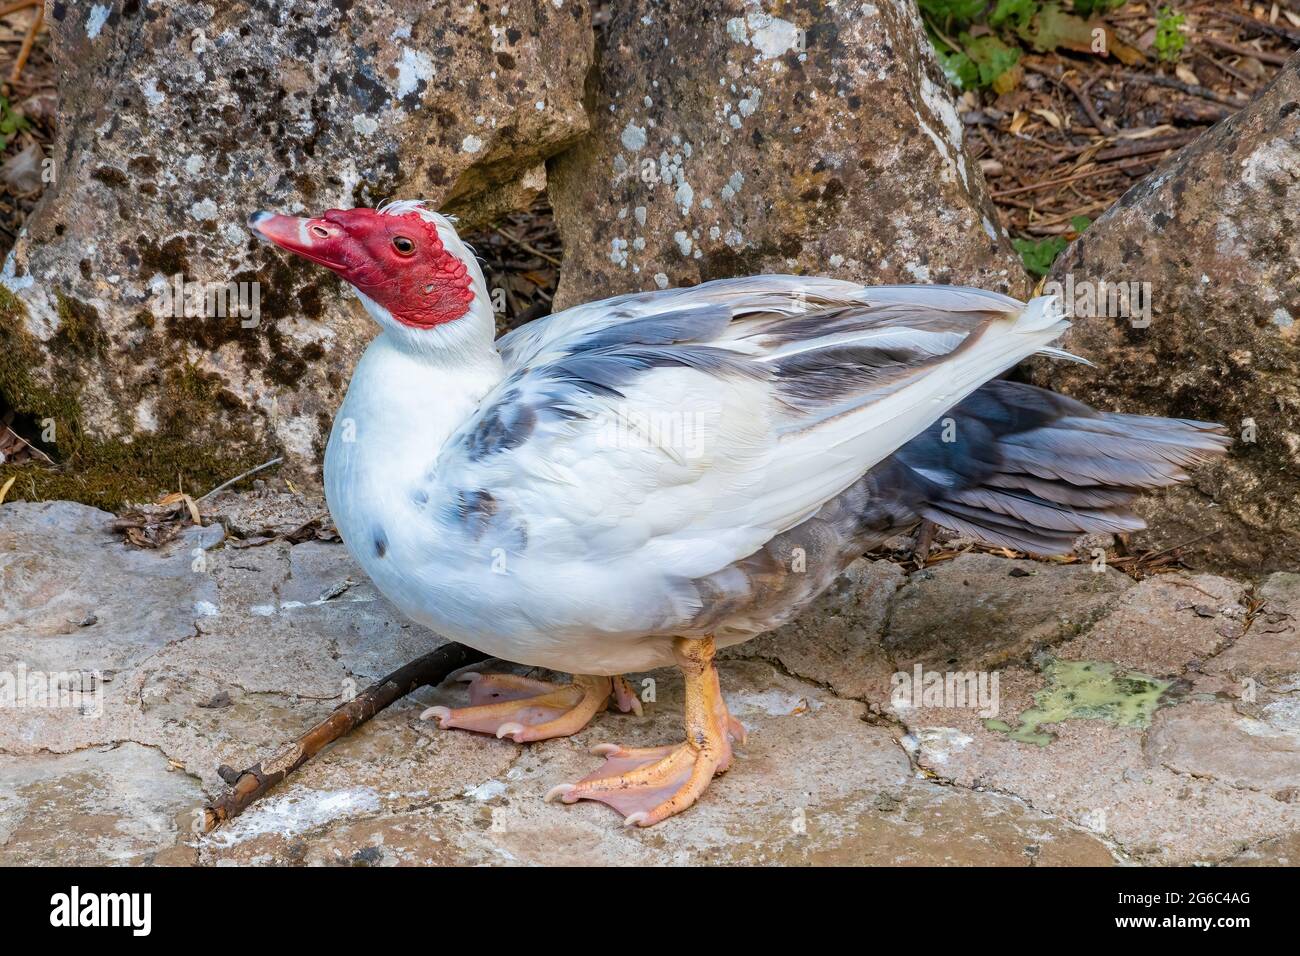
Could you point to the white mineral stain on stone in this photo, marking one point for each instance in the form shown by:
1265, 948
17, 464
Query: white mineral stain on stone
942, 108
471, 144
146, 415
633, 137
734, 184
661, 280
940, 743
365, 125
206, 609
683, 242
204, 210
412, 67
151, 93
685, 197
770, 36
12, 282
774, 703
1273, 161
1282, 318
194, 164
95, 22
486, 791
639, 213
295, 813
618, 252
297, 435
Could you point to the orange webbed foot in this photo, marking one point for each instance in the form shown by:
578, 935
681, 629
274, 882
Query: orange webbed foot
649, 784
525, 709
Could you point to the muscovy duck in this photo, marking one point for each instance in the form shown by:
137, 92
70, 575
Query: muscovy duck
636, 482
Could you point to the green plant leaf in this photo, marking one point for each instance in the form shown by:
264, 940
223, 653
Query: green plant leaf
1169, 39
1053, 28
956, 11
1095, 8
1013, 13
959, 68
992, 56
1039, 254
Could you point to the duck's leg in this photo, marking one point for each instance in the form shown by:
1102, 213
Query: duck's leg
525, 709
648, 784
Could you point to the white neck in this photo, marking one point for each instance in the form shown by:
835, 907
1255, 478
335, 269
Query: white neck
414, 387
461, 343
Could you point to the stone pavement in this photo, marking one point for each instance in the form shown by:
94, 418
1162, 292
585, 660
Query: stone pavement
1137, 722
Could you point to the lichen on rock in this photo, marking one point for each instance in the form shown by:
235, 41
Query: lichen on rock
1215, 235
180, 120
737, 138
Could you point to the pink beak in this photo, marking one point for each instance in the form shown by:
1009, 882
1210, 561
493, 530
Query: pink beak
319, 240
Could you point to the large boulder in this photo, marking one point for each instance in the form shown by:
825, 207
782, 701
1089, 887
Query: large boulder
732, 138
181, 119
1215, 233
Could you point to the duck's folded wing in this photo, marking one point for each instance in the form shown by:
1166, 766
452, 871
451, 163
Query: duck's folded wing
696, 426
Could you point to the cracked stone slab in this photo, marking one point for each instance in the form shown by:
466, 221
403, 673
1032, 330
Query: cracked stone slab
975, 612
262, 642
1269, 652
1213, 739
1101, 777
70, 591
113, 805
1165, 623
836, 641
814, 784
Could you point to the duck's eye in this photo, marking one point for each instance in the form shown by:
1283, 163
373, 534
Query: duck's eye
403, 246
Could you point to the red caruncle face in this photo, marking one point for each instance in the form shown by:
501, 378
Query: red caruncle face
398, 261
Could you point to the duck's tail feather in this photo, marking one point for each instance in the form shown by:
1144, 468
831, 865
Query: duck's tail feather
1021, 467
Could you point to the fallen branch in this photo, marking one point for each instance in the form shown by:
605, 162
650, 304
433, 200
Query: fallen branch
29, 40
252, 471
533, 250
1144, 147
9, 8
1086, 174
249, 785
1261, 26
1264, 56
1191, 89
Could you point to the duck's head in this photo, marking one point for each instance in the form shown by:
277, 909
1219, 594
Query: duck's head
408, 266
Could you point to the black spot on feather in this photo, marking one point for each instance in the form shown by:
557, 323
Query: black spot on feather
506, 425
